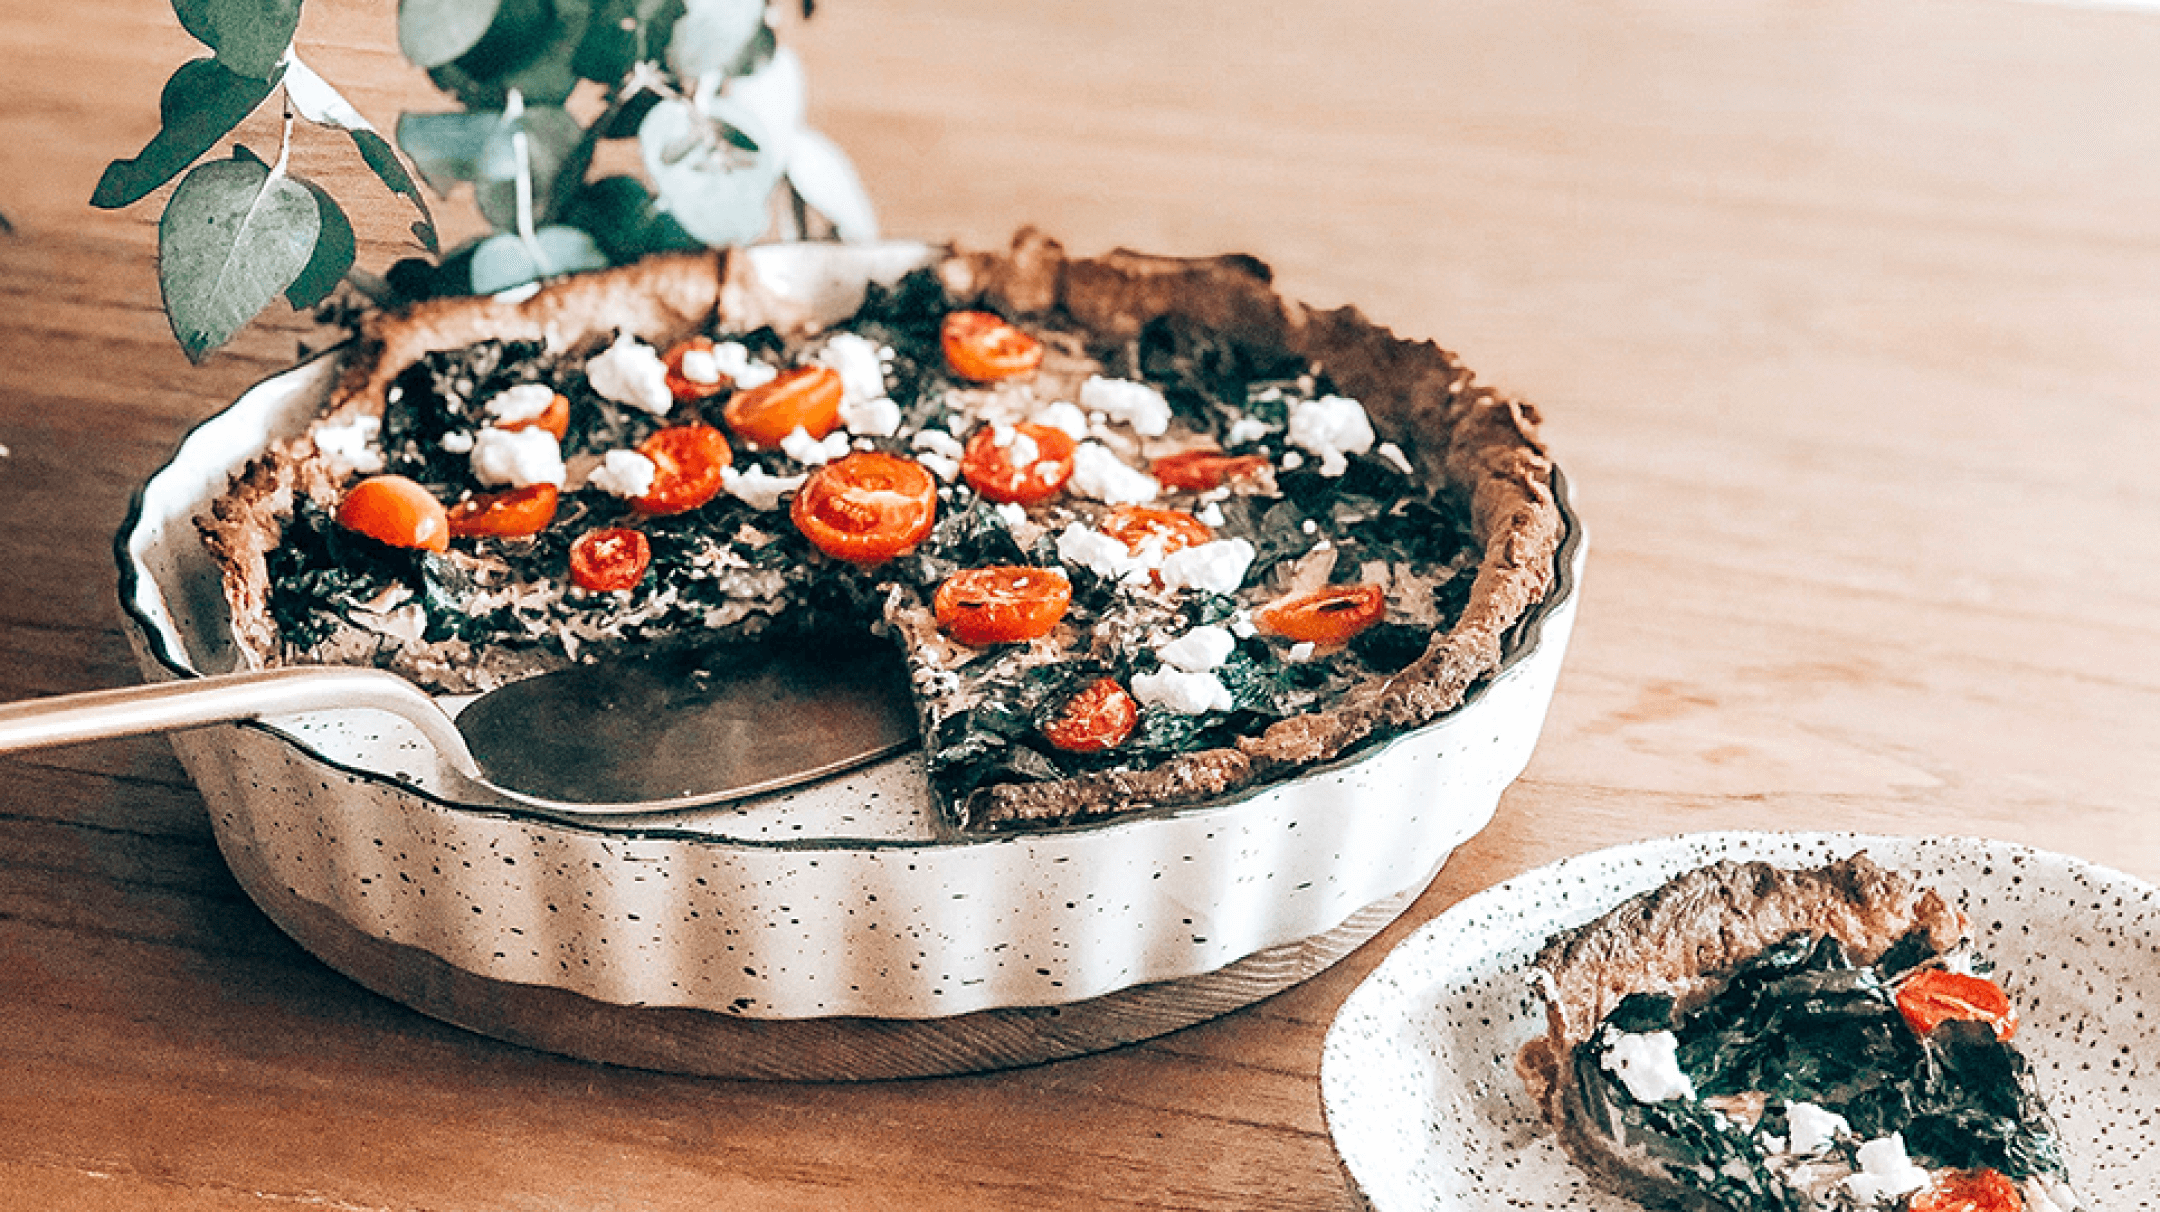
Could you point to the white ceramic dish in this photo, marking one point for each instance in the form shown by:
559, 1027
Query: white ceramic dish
1418, 1080
846, 898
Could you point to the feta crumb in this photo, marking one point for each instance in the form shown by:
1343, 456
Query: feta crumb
1246, 429
515, 405
1885, 1171
1011, 514
625, 473
1392, 455
938, 442
813, 452
1217, 567
699, 366
1182, 692
758, 488
458, 441
1211, 514
732, 358
1089, 548
1292, 460
1066, 416
1648, 1064
1814, 1129
1241, 625
1102, 475
856, 358
629, 372
1309, 526
352, 443
1300, 652
878, 418
1136, 404
1330, 427
1199, 650
516, 457
1020, 449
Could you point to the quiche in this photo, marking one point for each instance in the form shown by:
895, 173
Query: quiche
1747, 1037
1145, 532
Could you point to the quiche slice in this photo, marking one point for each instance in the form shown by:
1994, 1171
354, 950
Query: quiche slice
1145, 531
1749, 1038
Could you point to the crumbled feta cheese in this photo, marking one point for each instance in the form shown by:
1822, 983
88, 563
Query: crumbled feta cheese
458, 441
1182, 692
1081, 544
1300, 652
1648, 1064
938, 442
1330, 427
878, 418
1392, 455
629, 372
1292, 460
698, 365
1885, 1171
1210, 514
352, 443
1814, 1129
1136, 404
1245, 429
1241, 625
1020, 449
515, 405
732, 358
1066, 416
625, 473
1102, 475
856, 358
812, 452
758, 488
517, 457
1011, 514
1199, 650
1217, 567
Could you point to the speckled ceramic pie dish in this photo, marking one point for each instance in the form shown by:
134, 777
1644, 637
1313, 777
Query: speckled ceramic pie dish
841, 901
1418, 1074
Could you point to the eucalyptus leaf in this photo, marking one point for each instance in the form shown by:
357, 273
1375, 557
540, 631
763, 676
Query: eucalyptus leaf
333, 255
317, 101
825, 178
446, 147
623, 33
376, 151
534, 57
502, 262
249, 36
777, 98
621, 214
551, 136
201, 104
718, 193
233, 237
434, 32
712, 35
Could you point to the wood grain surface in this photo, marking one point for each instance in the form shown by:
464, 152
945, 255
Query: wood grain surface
1844, 317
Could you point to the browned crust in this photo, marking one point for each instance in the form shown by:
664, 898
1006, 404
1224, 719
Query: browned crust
246, 523
1466, 439
1680, 939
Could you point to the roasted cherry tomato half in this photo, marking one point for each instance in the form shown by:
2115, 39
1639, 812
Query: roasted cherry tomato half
397, 511
1201, 470
1165, 530
1032, 464
688, 462
1933, 997
556, 419
1002, 605
1328, 615
983, 347
805, 398
520, 511
685, 390
1099, 717
611, 558
867, 507
1969, 1191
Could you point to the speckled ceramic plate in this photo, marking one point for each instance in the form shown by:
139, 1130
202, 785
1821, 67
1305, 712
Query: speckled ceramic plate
1418, 1077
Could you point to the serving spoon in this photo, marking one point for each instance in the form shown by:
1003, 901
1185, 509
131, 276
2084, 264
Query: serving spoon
684, 728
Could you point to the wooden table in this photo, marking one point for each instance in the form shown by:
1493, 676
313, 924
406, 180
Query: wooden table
1845, 318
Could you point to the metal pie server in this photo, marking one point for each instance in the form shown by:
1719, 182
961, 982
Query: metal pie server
686, 728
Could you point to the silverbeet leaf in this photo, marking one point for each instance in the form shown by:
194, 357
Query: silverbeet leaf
233, 237
249, 36
332, 257
202, 102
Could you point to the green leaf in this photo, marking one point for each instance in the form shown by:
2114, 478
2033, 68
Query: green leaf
551, 136
434, 32
233, 237
825, 178
718, 193
529, 52
376, 151
201, 104
623, 33
505, 261
712, 36
249, 36
446, 147
315, 100
620, 213
333, 254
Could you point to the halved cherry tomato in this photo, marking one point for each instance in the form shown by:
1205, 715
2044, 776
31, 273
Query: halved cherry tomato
1934, 996
983, 347
1969, 1191
556, 420
1328, 615
611, 558
397, 511
687, 464
1002, 605
867, 507
690, 391
805, 398
1099, 717
990, 469
1201, 470
520, 511
1165, 530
